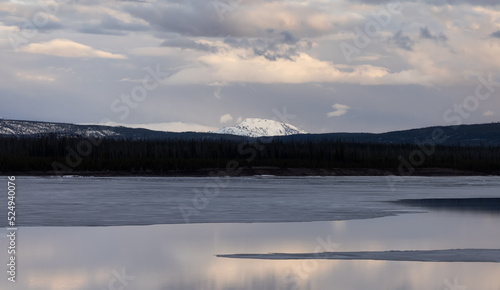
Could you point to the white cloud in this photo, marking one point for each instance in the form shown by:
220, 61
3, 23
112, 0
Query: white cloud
130, 80
239, 120
488, 113
68, 48
226, 118
339, 110
242, 65
34, 77
217, 93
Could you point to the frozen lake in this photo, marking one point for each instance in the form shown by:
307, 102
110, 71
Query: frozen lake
87, 201
81, 233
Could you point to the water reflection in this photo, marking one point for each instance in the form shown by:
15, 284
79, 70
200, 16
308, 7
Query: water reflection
183, 256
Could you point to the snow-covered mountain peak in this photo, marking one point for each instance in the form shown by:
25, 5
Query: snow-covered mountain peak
256, 127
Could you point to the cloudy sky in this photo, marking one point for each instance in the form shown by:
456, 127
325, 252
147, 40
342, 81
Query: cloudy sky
322, 65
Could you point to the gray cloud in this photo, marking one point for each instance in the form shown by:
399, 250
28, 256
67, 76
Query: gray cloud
273, 49
95, 29
109, 25
112, 23
402, 41
23, 24
201, 18
288, 37
426, 34
436, 2
50, 26
189, 18
137, 1
186, 43
495, 34
283, 45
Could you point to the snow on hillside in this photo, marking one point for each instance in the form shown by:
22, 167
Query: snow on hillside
255, 127
31, 128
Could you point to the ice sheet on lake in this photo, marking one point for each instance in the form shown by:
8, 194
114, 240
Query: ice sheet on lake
122, 201
452, 255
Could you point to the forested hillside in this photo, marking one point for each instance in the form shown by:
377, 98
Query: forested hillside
52, 154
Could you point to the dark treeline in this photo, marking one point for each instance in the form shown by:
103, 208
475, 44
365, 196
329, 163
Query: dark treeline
76, 154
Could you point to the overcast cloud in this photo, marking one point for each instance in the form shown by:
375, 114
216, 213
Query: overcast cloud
339, 65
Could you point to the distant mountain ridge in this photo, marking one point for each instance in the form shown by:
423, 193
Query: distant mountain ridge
255, 127
19, 128
466, 135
